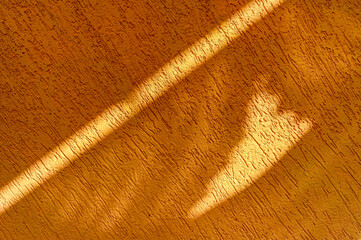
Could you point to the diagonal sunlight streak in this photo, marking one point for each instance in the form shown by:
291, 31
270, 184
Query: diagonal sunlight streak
156, 85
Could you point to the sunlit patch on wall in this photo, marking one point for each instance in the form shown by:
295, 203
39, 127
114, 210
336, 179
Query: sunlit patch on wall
269, 135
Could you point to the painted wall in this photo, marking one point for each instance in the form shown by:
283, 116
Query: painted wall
291, 83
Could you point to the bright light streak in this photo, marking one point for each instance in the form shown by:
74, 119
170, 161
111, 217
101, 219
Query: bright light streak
269, 135
103, 125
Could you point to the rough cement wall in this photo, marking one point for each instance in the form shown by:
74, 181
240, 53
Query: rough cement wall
63, 63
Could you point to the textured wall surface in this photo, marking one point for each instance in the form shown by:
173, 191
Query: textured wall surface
62, 63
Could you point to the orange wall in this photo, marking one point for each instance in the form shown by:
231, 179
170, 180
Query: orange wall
62, 64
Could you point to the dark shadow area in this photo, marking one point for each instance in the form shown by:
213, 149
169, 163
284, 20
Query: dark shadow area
140, 182
62, 64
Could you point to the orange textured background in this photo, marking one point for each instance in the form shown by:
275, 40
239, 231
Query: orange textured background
63, 62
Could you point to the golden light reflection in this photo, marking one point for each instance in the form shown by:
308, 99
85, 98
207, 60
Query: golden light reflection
269, 135
148, 92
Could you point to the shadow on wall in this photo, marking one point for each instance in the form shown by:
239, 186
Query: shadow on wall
142, 181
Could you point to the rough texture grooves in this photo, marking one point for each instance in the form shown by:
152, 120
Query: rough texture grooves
62, 63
